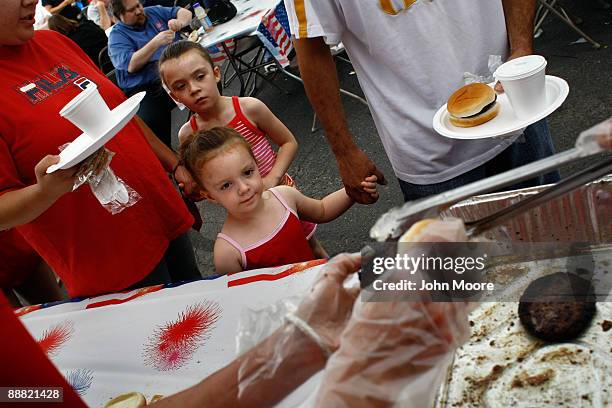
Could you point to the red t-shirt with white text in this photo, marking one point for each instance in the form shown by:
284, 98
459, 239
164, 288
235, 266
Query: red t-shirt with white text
91, 250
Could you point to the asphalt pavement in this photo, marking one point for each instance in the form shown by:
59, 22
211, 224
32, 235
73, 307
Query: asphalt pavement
587, 70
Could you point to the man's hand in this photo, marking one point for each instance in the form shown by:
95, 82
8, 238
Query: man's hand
164, 38
175, 25
56, 184
354, 168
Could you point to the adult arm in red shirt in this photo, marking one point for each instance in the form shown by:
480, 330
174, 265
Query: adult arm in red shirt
169, 160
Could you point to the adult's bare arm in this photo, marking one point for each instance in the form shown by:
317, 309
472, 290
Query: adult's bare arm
169, 160
21, 206
300, 359
105, 20
183, 18
519, 16
318, 71
141, 57
59, 7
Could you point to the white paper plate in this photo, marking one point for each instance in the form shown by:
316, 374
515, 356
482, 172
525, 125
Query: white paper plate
505, 122
83, 146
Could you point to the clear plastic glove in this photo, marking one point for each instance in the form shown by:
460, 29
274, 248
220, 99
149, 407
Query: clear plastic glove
307, 336
328, 305
396, 352
596, 138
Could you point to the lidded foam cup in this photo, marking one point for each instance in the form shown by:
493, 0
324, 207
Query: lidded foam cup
523, 80
88, 112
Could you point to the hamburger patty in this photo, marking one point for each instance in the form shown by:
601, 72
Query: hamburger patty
557, 307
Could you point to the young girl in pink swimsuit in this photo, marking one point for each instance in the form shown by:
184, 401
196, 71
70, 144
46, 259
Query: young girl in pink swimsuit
262, 228
190, 75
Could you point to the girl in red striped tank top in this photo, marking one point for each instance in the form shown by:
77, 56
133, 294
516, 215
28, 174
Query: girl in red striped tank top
189, 73
262, 228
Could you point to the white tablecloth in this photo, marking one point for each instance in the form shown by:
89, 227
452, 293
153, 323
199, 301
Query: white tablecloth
163, 341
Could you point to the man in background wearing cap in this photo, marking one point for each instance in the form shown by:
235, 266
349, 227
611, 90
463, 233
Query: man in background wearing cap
409, 57
134, 46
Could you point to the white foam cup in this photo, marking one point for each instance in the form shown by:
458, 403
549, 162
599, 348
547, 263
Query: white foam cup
88, 112
523, 80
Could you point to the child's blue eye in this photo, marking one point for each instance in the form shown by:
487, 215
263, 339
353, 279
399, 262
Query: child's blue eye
201, 76
225, 186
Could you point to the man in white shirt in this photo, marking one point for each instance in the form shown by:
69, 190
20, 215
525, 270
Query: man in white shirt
409, 57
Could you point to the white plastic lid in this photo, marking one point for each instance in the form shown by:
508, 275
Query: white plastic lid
76, 101
520, 68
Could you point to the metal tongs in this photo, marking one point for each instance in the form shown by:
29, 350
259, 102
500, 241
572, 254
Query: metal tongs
391, 225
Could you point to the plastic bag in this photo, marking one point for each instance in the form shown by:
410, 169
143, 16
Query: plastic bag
494, 62
112, 192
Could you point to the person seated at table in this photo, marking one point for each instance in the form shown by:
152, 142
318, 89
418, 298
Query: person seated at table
407, 342
86, 34
135, 44
262, 228
188, 71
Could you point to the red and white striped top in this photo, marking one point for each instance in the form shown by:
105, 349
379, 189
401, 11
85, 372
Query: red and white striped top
262, 149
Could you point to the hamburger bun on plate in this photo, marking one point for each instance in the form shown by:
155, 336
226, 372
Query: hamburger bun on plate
472, 105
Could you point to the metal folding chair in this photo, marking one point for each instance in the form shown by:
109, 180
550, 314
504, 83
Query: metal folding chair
104, 61
554, 7
275, 34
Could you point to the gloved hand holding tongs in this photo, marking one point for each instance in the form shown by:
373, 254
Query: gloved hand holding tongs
593, 141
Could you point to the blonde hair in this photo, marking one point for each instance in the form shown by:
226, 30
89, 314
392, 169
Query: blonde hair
202, 146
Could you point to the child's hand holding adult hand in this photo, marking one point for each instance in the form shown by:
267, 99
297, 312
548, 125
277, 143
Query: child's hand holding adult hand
369, 186
56, 184
353, 166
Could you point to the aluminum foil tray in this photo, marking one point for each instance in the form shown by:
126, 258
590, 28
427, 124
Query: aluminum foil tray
502, 365
584, 215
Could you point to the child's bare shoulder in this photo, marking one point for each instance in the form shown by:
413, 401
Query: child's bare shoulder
184, 132
253, 106
226, 256
290, 194
222, 247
